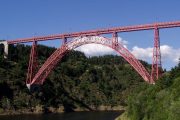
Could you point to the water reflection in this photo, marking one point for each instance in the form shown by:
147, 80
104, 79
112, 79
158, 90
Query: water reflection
108, 115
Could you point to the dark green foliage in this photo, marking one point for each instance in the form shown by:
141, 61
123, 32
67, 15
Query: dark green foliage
79, 81
157, 102
76, 81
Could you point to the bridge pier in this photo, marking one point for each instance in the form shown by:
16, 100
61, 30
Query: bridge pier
115, 40
156, 68
5, 48
33, 65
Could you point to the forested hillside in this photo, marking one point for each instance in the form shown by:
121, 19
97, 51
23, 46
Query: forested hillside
82, 82
156, 102
78, 81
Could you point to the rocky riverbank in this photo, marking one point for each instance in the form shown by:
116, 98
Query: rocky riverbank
43, 110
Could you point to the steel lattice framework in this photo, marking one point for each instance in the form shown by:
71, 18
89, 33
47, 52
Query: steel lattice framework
33, 64
35, 76
52, 61
99, 32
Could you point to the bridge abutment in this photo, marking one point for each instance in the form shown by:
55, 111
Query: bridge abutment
5, 48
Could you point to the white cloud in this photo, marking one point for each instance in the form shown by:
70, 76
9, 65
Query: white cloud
167, 53
142, 53
99, 50
123, 42
94, 50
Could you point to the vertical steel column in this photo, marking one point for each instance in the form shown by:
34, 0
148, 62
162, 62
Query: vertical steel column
115, 40
156, 64
64, 40
33, 64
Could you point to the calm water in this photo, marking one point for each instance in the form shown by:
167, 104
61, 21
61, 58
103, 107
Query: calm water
67, 116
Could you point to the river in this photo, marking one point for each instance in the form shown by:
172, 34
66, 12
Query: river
105, 115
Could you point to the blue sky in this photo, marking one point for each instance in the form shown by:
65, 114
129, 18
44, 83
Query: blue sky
27, 18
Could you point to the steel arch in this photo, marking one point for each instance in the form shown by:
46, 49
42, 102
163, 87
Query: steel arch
52, 61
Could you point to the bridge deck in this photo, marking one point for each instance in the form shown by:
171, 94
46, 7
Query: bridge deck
99, 32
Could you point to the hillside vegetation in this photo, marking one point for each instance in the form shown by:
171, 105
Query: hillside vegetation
78, 81
156, 102
82, 82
